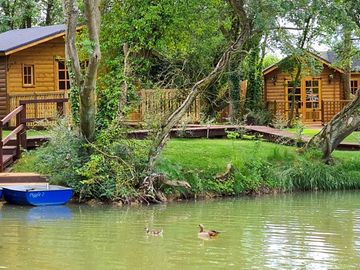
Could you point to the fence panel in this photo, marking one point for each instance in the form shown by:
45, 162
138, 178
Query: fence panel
41, 110
162, 103
331, 107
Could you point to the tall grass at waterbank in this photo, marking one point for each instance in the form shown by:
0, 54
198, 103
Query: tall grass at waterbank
257, 167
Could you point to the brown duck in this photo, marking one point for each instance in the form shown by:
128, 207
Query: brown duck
153, 232
207, 234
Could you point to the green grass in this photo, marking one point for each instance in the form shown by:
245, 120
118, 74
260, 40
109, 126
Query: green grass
353, 138
257, 166
30, 133
215, 154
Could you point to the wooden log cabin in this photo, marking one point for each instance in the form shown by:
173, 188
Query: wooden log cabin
318, 98
32, 66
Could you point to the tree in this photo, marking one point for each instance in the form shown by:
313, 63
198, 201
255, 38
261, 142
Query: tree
348, 119
52, 12
250, 23
306, 19
16, 14
170, 45
84, 81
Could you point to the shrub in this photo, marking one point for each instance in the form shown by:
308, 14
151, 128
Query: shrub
59, 158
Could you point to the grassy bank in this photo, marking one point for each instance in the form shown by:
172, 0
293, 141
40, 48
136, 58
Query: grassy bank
256, 167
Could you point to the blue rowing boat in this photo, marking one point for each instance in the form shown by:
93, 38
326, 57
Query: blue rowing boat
1, 192
37, 195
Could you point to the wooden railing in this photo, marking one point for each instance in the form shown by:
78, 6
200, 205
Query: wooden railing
163, 102
281, 108
19, 132
21, 119
330, 108
36, 110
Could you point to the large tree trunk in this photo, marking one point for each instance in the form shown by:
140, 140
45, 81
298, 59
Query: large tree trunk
346, 76
85, 82
334, 132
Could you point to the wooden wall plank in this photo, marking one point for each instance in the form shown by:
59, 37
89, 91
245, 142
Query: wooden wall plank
43, 57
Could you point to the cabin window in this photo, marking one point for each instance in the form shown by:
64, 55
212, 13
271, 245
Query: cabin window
312, 94
354, 86
28, 75
63, 76
296, 94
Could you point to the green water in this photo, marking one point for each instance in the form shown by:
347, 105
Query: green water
299, 231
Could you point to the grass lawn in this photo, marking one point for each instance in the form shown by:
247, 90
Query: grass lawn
215, 154
353, 138
30, 133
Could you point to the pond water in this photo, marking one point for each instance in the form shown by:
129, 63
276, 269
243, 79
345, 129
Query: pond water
293, 231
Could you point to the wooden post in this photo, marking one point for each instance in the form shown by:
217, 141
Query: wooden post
275, 108
23, 139
322, 112
35, 106
60, 108
18, 136
1, 149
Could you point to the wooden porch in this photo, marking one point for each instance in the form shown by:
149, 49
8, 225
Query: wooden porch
323, 114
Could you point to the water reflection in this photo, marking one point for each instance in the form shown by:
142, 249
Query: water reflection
30, 213
49, 212
299, 231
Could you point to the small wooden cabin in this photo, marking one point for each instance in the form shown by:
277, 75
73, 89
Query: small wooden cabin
318, 98
32, 66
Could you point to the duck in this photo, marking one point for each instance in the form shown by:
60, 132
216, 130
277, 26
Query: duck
207, 234
153, 232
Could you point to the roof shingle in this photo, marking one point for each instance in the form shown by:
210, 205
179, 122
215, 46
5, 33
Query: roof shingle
14, 39
331, 57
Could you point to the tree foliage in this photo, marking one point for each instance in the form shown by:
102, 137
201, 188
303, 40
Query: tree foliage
16, 14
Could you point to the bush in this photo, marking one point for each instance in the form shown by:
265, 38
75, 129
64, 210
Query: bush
115, 166
262, 118
108, 169
60, 158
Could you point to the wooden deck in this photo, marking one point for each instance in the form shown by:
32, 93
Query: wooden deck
8, 179
220, 131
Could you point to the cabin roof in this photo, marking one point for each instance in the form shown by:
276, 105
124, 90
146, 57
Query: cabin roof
326, 57
331, 57
15, 40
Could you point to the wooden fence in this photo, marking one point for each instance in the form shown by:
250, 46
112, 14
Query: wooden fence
37, 110
281, 109
162, 103
153, 103
329, 108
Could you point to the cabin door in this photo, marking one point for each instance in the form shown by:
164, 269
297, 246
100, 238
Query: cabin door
310, 97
